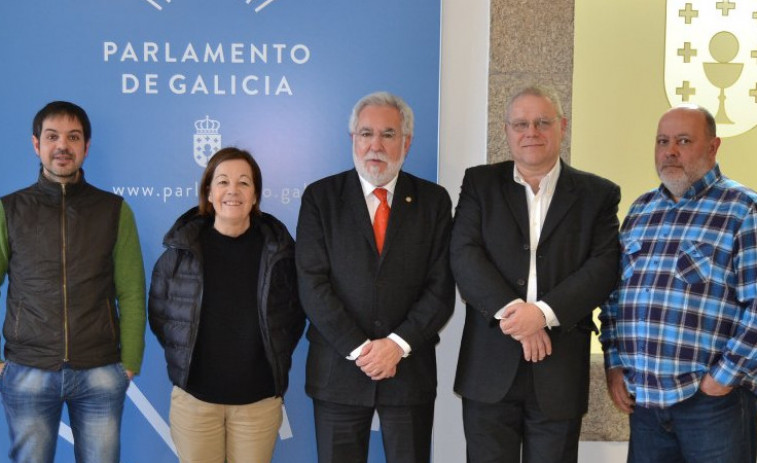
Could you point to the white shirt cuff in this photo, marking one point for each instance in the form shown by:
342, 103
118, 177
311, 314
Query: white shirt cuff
400, 342
549, 314
501, 312
356, 353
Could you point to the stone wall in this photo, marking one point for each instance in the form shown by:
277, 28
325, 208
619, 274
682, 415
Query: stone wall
603, 422
531, 42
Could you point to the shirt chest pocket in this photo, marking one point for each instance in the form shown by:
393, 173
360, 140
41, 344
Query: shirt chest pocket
631, 250
694, 262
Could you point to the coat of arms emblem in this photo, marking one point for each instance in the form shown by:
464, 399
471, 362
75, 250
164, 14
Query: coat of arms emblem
711, 59
207, 140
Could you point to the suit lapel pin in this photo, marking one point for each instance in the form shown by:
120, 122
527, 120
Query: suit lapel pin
408, 199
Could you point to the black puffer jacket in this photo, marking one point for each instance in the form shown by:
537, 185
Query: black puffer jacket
176, 296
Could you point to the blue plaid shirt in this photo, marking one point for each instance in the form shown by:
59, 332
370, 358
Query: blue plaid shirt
685, 304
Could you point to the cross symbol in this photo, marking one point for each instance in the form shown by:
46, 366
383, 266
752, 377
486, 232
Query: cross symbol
688, 12
687, 52
685, 91
725, 6
753, 92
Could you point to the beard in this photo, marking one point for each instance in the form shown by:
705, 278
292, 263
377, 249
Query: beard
678, 178
373, 173
66, 173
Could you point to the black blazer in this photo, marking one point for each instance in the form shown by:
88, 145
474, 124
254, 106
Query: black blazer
576, 268
350, 294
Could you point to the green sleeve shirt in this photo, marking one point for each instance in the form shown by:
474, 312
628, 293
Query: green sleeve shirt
129, 275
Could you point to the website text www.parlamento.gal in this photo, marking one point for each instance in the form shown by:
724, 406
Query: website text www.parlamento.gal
166, 193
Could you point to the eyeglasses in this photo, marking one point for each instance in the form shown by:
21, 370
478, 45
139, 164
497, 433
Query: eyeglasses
366, 136
541, 124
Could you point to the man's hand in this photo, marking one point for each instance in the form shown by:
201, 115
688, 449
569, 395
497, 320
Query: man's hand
537, 346
616, 387
521, 320
379, 359
710, 387
129, 373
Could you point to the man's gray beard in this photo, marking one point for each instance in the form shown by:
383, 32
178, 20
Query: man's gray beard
677, 186
377, 178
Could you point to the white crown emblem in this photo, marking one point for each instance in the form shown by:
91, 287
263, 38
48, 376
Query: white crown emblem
207, 140
710, 51
207, 126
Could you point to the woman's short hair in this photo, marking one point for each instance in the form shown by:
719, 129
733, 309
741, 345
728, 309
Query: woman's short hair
229, 154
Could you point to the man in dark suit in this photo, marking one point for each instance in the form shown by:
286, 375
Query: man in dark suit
373, 265
534, 250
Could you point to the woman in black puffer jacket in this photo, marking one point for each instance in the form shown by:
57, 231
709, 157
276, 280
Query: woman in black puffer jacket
223, 304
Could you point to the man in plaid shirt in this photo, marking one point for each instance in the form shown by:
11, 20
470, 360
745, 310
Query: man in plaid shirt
680, 331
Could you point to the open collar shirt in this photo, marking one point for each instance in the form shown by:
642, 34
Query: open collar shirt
538, 205
685, 305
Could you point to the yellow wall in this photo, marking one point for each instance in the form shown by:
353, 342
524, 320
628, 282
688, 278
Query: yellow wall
619, 95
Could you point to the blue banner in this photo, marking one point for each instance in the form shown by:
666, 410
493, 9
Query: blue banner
168, 82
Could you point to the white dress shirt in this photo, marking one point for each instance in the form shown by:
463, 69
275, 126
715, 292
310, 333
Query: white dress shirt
372, 202
538, 205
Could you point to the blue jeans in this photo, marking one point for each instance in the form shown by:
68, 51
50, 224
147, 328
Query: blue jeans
33, 401
699, 429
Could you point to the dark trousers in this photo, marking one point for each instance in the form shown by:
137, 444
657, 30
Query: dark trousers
700, 429
502, 432
343, 431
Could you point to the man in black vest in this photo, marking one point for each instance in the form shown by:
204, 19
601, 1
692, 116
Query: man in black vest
75, 317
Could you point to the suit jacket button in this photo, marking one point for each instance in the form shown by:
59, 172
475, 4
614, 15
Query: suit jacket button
526, 247
521, 282
377, 323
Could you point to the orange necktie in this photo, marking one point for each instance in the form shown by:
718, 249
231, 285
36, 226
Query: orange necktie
381, 218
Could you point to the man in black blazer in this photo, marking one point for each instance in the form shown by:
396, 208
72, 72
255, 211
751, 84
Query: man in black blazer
376, 300
534, 250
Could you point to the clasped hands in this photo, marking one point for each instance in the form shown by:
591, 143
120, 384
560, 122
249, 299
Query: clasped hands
379, 358
524, 322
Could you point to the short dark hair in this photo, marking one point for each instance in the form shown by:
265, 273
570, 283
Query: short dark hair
229, 154
62, 108
712, 126
709, 121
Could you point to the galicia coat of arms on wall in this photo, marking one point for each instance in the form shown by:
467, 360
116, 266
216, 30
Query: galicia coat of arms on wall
207, 140
711, 59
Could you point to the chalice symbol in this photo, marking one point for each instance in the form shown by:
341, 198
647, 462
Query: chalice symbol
723, 47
